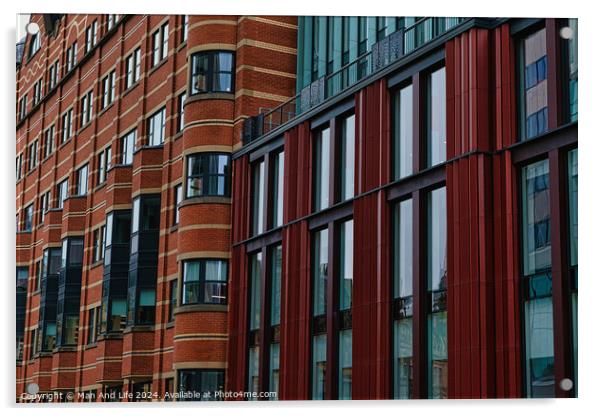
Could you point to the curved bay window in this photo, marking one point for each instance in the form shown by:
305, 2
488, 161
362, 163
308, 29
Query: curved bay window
212, 71
205, 281
208, 174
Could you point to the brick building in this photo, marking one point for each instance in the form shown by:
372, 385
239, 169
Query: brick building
324, 207
125, 127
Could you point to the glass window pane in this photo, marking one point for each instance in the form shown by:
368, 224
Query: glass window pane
274, 369
322, 170
278, 191
318, 367
536, 218
573, 66
348, 158
573, 204
402, 139
402, 266
436, 142
320, 272
437, 240
255, 291
276, 275
539, 347
346, 265
437, 355
345, 364
258, 197
253, 380
402, 359
533, 84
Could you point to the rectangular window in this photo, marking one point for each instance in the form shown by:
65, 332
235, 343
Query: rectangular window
19, 166
67, 125
437, 290
537, 246
104, 164
212, 72
44, 205
322, 170
39, 271
33, 155
346, 265
87, 106
345, 364
435, 118
132, 68
173, 299
82, 180
573, 191
62, 192
53, 75
258, 198
160, 44
99, 244
533, 85
320, 271
184, 28
22, 107
203, 383
275, 287
253, 371
274, 369
112, 20
208, 174
93, 325
318, 367
255, 291
278, 190
108, 89
347, 146
178, 197
127, 148
71, 56
402, 132
156, 128
48, 141
91, 36
205, 282
181, 100
572, 57
37, 91
28, 218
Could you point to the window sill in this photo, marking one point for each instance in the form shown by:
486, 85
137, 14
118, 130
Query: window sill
36, 292
173, 228
181, 46
107, 108
84, 127
90, 346
158, 65
130, 88
100, 186
96, 264
65, 143
109, 336
65, 348
200, 307
201, 96
139, 328
178, 135
170, 324
205, 200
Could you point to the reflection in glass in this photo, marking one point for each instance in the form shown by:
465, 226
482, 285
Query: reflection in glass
274, 369
253, 380
437, 240
320, 271
402, 359
402, 266
573, 66
402, 139
322, 170
437, 355
539, 347
345, 364
346, 265
435, 118
258, 197
533, 78
318, 372
276, 274
348, 158
255, 291
278, 190
573, 204
536, 218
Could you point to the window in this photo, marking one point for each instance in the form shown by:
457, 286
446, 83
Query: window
22, 107
318, 370
112, 20
19, 166
533, 85
156, 128
177, 200
62, 193
67, 125
93, 325
44, 205
203, 383
184, 28
320, 271
87, 106
53, 75
208, 174
205, 281
160, 44
345, 265
38, 281
253, 371
98, 252
347, 152
345, 364
132, 68
212, 72
49, 338
437, 289
169, 390
104, 164
255, 291
37, 91
537, 262
127, 148
435, 118
82, 180
572, 57
275, 284
258, 198
28, 219
48, 141
71, 56
573, 253
322, 170
278, 190
33, 155
402, 132
274, 369
91, 36
181, 100
34, 44
108, 89
173, 299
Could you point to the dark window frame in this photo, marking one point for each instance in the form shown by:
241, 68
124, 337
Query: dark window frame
206, 177
211, 73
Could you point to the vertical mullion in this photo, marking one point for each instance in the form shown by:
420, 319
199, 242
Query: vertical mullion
560, 275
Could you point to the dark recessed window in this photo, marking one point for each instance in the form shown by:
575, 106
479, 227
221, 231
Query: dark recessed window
181, 100
208, 174
205, 281
212, 72
34, 44
160, 44
177, 199
173, 299
127, 148
156, 128
201, 383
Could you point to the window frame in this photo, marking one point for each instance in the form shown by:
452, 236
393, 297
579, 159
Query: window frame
204, 177
210, 73
201, 282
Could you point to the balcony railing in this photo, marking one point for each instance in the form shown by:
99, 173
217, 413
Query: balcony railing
382, 54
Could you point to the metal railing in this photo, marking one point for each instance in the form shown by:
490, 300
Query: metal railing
382, 54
